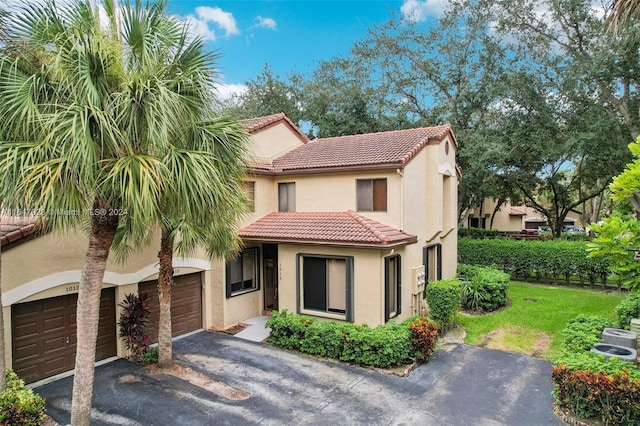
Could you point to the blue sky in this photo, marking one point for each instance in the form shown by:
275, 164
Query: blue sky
288, 34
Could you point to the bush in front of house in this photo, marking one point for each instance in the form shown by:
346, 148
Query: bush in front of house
485, 289
424, 337
628, 309
443, 298
384, 346
597, 388
583, 331
20, 406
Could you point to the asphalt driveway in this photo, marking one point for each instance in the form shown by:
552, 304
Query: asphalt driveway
462, 385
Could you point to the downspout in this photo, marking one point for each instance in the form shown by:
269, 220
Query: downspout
399, 172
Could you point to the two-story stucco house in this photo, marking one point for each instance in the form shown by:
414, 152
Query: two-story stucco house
344, 228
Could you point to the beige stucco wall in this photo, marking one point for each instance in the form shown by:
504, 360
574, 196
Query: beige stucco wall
273, 141
50, 266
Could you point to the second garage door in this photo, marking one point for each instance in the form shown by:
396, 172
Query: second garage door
186, 305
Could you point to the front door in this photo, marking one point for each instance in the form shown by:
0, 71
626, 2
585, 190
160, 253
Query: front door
270, 262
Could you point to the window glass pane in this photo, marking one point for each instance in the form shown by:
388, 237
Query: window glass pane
291, 197
337, 285
234, 278
392, 286
249, 269
365, 195
380, 195
282, 197
314, 280
287, 197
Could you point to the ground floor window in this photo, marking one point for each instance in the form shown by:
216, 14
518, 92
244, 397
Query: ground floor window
432, 260
242, 273
392, 284
325, 286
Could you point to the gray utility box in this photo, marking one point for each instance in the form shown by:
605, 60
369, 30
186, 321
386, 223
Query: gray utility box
619, 337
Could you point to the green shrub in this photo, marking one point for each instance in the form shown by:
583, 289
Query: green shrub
384, 346
20, 406
443, 298
148, 357
553, 260
465, 272
288, 330
423, 336
598, 388
324, 339
628, 309
486, 290
582, 332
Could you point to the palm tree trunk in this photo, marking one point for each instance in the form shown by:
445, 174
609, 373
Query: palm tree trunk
103, 229
3, 367
165, 288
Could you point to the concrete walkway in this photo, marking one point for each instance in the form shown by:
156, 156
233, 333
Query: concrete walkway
462, 385
256, 330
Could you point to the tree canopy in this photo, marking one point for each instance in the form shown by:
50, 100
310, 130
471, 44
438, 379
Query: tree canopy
541, 95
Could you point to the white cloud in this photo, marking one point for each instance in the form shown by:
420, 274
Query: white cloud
418, 10
226, 91
267, 23
200, 25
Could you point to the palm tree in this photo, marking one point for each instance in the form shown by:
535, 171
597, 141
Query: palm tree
92, 102
215, 230
622, 11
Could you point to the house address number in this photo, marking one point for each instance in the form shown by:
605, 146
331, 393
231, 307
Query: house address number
72, 288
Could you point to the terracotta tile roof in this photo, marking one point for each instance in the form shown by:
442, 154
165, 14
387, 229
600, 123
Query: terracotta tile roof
13, 229
326, 228
516, 212
255, 124
394, 148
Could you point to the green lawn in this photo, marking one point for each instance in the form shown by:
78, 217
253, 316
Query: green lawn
535, 318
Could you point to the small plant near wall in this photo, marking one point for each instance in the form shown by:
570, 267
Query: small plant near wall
443, 298
423, 337
133, 323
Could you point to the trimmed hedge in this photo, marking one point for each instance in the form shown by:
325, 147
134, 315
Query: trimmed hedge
598, 388
485, 289
20, 406
443, 298
478, 233
384, 346
553, 260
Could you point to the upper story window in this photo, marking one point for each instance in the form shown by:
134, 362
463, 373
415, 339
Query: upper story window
372, 195
250, 192
287, 197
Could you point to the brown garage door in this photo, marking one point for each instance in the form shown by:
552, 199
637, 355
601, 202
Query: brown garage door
44, 335
186, 305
